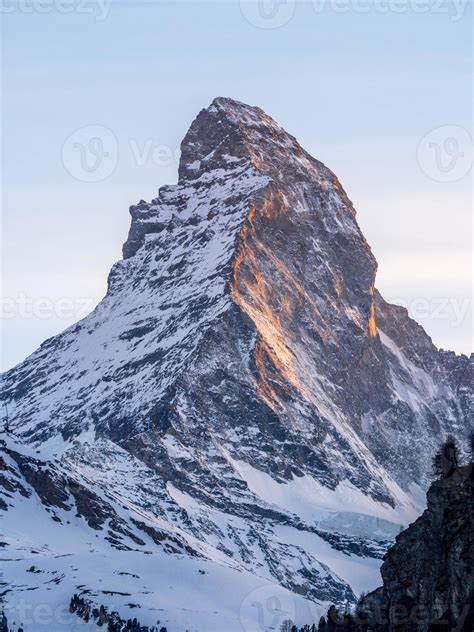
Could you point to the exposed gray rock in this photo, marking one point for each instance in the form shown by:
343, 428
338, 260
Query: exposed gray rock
242, 335
428, 581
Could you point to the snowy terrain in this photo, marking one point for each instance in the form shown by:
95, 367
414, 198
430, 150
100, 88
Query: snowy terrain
53, 547
242, 426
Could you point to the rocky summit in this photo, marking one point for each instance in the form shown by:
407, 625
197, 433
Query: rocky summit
241, 427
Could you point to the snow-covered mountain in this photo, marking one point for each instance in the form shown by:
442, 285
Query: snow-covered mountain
240, 427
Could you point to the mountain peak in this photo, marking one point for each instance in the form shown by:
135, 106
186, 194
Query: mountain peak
227, 104
245, 116
230, 132
219, 137
240, 386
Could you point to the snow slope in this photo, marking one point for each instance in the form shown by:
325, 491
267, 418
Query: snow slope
242, 401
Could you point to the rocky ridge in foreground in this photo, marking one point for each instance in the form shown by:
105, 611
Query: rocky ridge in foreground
428, 575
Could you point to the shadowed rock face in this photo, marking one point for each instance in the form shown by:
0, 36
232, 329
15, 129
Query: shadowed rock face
427, 574
252, 276
243, 324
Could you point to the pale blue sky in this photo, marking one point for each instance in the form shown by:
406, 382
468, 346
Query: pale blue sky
359, 90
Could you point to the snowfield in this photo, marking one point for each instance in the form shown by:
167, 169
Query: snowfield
239, 430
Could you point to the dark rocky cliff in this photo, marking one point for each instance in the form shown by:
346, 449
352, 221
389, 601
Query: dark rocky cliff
428, 573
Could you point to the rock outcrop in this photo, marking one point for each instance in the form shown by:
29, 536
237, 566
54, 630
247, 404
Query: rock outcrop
428, 575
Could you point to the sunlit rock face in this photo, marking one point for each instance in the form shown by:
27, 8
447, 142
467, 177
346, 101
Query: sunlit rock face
243, 327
